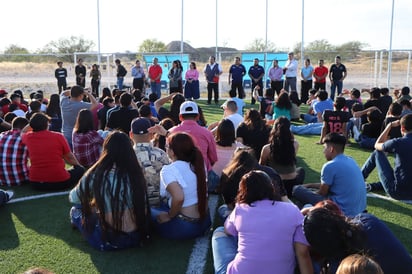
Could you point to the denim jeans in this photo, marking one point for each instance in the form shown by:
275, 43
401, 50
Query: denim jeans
309, 118
386, 175
305, 195
308, 129
333, 86
212, 181
223, 211
156, 88
112, 240
366, 142
224, 248
178, 228
120, 83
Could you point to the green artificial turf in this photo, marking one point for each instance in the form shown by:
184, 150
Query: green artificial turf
38, 232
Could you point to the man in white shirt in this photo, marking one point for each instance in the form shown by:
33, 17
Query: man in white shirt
290, 70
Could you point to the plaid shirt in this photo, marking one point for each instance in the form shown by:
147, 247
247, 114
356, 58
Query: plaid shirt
13, 159
151, 159
86, 147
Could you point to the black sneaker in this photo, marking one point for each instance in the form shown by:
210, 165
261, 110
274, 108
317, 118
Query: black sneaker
368, 187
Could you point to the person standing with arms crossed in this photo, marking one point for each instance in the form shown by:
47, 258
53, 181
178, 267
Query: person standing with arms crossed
337, 73
138, 76
61, 73
290, 70
155, 73
80, 71
212, 72
256, 73
320, 73
275, 76
236, 73
306, 74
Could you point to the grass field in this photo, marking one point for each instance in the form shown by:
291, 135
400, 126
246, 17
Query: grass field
38, 233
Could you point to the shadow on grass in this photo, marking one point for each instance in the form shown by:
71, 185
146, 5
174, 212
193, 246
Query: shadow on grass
43, 226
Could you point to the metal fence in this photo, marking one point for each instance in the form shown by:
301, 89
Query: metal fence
36, 71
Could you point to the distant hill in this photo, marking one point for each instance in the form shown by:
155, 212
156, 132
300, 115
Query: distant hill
199, 54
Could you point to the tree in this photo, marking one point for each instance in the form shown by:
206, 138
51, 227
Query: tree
152, 45
69, 46
15, 50
259, 45
319, 49
351, 49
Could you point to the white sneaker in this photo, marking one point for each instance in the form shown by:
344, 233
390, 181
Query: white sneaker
9, 194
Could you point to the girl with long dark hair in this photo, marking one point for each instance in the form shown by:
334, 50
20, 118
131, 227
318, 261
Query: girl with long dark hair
111, 208
183, 183
280, 154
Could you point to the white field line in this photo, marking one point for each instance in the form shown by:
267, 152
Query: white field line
197, 260
384, 197
34, 197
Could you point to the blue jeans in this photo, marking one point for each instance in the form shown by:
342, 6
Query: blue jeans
305, 195
309, 118
212, 181
308, 129
112, 241
386, 175
179, 227
224, 248
366, 142
120, 82
223, 211
156, 89
333, 86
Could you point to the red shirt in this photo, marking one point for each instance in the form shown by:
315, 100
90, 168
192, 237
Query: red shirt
46, 150
319, 71
154, 72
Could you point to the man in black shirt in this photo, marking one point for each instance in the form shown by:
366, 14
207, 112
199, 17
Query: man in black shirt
121, 73
61, 73
337, 73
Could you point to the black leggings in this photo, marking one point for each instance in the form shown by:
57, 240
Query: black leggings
298, 180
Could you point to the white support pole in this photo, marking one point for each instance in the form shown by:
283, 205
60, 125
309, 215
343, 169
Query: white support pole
409, 68
216, 31
390, 48
302, 49
375, 72
98, 33
181, 35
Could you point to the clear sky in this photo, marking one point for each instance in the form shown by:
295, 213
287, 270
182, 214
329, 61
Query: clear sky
125, 23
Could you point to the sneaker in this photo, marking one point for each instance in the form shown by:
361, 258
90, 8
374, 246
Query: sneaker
9, 194
368, 187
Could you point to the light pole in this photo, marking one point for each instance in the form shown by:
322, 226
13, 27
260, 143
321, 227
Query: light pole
98, 33
390, 48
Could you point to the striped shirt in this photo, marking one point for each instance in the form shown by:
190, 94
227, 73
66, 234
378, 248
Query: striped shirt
13, 159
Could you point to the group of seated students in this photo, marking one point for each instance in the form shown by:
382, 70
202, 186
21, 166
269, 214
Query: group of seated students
139, 166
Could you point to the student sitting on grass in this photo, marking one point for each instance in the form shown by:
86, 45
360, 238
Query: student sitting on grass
262, 234
370, 131
183, 183
87, 143
335, 120
395, 181
334, 237
110, 201
48, 154
241, 163
280, 154
341, 180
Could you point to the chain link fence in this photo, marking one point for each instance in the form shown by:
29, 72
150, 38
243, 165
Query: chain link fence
31, 72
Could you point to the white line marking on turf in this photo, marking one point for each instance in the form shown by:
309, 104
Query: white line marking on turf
197, 260
34, 197
384, 197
